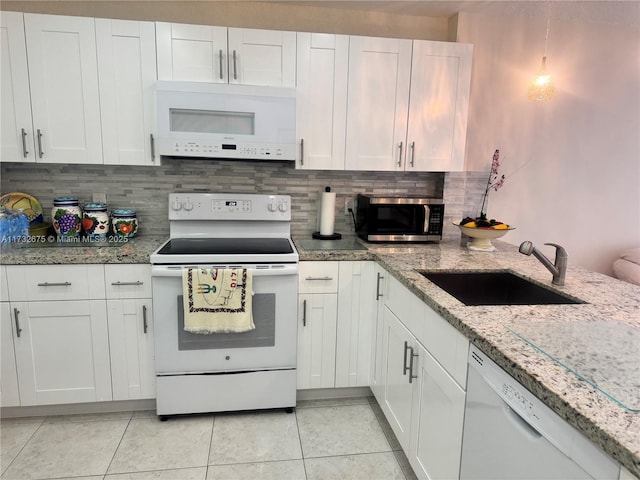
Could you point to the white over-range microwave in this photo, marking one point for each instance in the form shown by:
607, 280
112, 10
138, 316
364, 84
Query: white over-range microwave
209, 120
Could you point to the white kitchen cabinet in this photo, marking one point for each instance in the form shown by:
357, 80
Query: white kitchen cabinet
317, 319
55, 282
378, 102
381, 282
131, 348
356, 311
63, 80
399, 363
436, 420
202, 53
130, 320
127, 74
62, 353
17, 135
437, 129
9, 393
321, 100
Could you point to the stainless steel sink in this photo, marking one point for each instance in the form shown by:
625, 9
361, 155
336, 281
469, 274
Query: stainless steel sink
495, 288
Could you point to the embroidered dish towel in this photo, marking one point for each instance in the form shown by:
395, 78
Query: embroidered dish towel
217, 300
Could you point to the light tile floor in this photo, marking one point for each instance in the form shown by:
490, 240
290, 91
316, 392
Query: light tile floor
322, 440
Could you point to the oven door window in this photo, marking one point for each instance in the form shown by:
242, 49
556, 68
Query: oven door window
264, 318
398, 219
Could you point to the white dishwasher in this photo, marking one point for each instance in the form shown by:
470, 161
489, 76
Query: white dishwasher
509, 434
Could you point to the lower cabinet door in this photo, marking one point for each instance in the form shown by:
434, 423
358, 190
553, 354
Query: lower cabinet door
317, 316
9, 394
62, 353
437, 419
131, 346
398, 348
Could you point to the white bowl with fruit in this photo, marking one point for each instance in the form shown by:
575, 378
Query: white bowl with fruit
481, 231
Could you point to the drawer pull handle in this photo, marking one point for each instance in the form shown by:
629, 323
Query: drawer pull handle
404, 364
145, 326
319, 278
411, 375
16, 312
59, 284
122, 284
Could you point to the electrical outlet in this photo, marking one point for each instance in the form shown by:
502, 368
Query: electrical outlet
99, 197
348, 204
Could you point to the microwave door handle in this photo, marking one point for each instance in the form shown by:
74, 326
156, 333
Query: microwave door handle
427, 214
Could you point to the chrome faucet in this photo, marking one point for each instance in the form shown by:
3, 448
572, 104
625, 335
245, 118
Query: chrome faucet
559, 269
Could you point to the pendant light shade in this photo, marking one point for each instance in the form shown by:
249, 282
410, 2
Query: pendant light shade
541, 87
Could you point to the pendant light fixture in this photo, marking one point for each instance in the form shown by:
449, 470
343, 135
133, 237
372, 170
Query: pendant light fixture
541, 87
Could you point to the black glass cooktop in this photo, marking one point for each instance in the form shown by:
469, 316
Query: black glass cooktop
222, 246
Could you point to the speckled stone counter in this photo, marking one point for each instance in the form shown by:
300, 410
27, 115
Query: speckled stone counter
136, 250
615, 429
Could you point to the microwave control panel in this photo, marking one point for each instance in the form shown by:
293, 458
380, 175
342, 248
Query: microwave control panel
238, 150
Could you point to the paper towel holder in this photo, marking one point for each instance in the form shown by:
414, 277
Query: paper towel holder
332, 236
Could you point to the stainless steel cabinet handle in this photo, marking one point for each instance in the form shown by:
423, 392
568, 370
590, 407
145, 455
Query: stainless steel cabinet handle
60, 284
304, 313
378, 294
153, 147
235, 71
400, 154
145, 326
40, 152
302, 151
405, 368
413, 152
411, 375
16, 312
220, 58
120, 284
25, 152
319, 278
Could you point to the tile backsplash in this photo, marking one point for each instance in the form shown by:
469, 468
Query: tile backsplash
147, 188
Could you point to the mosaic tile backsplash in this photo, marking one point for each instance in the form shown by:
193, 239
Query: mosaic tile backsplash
147, 188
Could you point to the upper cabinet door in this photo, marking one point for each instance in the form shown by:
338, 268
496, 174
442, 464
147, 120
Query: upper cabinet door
262, 57
196, 53
63, 73
16, 136
379, 76
440, 79
127, 73
321, 100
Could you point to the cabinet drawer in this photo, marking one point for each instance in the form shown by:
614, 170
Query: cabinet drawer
55, 282
318, 277
127, 281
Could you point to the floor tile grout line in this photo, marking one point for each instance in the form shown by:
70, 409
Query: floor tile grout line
2, 473
213, 426
304, 465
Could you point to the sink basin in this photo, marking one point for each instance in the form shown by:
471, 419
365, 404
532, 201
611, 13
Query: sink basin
495, 288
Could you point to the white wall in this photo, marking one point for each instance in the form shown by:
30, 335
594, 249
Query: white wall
580, 183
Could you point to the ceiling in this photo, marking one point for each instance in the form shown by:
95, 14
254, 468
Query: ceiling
623, 12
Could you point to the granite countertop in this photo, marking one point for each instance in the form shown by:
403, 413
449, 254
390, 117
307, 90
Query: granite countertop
611, 302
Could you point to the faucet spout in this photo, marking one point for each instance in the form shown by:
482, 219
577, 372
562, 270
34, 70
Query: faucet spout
558, 268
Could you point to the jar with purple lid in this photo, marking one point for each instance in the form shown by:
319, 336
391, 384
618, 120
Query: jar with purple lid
66, 216
124, 222
95, 220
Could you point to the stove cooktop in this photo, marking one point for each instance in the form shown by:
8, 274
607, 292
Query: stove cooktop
226, 246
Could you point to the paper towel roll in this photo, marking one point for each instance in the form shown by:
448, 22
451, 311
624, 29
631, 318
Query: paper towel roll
327, 213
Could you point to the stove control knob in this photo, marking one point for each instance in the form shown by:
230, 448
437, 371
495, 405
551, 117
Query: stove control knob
283, 207
176, 205
188, 206
272, 207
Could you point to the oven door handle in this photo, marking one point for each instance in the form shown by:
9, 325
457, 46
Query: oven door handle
176, 271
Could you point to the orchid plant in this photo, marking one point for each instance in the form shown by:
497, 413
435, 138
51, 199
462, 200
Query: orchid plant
494, 182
